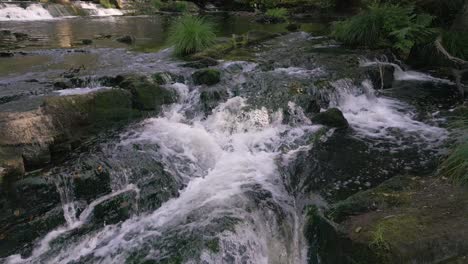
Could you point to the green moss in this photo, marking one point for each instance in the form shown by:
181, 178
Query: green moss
395, 230
392, 193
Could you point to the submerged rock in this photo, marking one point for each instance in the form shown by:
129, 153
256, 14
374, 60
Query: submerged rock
382, 76
127, 39
211, 97
163, 78
207, 77
332, 117
293, 27
201, 63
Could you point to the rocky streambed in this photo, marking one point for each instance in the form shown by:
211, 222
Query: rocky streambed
286, 150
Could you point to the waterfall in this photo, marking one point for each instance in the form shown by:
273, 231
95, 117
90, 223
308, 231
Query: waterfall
97, 10
402, 75
13, 12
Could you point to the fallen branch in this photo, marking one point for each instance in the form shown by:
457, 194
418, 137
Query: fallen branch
441, 49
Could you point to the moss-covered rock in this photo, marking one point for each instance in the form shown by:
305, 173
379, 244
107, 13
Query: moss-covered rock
332, 117
146, 95
201, 63
404, 220
163, 78
207, 77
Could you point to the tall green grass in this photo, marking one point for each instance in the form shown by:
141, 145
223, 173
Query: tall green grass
455, 167
385, 25
190, 34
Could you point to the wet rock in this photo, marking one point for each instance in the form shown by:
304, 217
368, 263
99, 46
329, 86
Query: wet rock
36, 156
207, 77
293, 27
116, 3
11, 165
264, 19
211, 97
146, 95
202, 63
88, 185
382, 76
332, 117
6, 54
115, 209
21, 36
163, 78
86, 41
63, 84
21, 236
30, 209
7, 38
127, 39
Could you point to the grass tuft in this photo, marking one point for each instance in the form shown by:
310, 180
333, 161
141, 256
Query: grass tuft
190, 34
455, 167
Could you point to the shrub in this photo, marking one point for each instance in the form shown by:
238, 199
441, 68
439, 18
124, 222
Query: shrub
191, 34
385, 25
278, 13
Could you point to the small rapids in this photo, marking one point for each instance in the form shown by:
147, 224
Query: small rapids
230, 201
33, 12
11, 12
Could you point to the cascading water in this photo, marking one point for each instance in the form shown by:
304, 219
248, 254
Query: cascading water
31, 12
97, 10
13, 12
225, 196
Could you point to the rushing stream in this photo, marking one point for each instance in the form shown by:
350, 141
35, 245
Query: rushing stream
210, 186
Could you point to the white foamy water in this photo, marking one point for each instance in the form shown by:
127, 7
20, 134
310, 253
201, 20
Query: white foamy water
402, 75
12, 12
295, 71
86, 90
221, 157
380, 117
98, 10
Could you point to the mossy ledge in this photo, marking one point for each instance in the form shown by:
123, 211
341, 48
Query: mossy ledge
404, 220
47, 134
